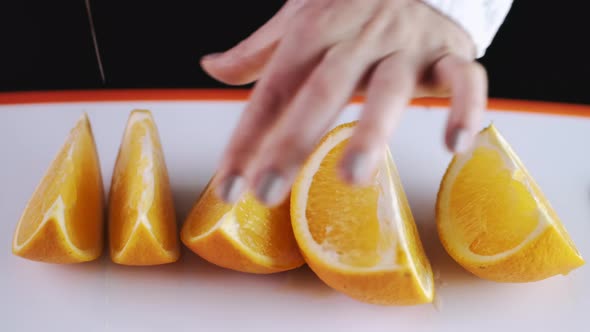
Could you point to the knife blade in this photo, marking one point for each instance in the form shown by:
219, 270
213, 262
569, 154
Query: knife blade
95, 41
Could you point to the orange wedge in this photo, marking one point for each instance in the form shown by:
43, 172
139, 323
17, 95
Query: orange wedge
494, 220
245, 236
63, 221
142, 219
361, 241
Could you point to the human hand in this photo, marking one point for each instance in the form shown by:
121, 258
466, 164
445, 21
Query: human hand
312, 57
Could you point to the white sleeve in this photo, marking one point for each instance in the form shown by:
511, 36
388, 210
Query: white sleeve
480, 18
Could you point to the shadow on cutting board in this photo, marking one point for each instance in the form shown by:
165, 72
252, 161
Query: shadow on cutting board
301, 280
192, 270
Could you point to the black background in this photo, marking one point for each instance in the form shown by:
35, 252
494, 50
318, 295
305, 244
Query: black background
540, 53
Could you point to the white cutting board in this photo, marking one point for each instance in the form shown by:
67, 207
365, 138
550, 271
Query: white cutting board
193, 295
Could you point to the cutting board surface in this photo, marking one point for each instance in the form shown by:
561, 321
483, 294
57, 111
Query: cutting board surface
193, 295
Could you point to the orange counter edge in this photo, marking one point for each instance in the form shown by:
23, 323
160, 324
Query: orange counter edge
67, 96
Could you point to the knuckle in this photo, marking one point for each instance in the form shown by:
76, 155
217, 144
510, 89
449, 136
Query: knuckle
307, 22
296, 4
464, 71
322, 86
334, 54
314, 27
469, 70
375, 27
343, 53
401, 64
398, 32
360, 48
472, 74
305, 8
478, 71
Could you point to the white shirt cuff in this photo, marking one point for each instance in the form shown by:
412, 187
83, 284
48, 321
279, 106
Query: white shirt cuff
481, 19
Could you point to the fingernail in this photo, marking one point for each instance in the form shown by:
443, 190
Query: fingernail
271, 189
356, 167
231, 189
211, 56
461, 141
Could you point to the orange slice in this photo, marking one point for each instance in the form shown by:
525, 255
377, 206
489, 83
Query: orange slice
245, 236
142, 219
361, 241
494, 220
63, 221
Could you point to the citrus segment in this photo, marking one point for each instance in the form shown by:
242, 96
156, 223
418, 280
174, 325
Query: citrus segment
486, 200
245, 236
63, 221
494, 220
357, 236
142, 219
361, 241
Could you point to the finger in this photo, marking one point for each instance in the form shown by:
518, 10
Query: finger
243, 63
239, 66
290, 141
467, 81
294, 59
388, 93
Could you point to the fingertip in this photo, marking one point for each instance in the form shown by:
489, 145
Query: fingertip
230, 188
468, 83
272, 188
355, 168
207, 63
211, 57
228, 69
359, 163
220, 71
460, 140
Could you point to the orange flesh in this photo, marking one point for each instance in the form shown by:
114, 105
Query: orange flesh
75, 176
141, 192
485, 203
265, 231
344, 219
257, 224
